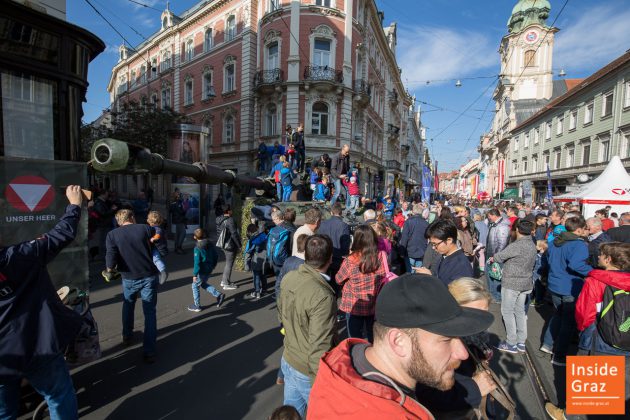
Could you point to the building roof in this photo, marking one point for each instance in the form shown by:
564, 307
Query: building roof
577, 87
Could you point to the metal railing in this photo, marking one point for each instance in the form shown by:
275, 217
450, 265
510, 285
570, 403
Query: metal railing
393, 96
393, 164
393, 130
361, 86
326, 73
263, 77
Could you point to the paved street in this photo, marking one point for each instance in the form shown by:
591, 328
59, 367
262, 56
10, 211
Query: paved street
219, 363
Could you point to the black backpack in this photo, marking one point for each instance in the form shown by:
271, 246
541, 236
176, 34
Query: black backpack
614, 319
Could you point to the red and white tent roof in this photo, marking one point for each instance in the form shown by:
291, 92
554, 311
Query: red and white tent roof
610, 188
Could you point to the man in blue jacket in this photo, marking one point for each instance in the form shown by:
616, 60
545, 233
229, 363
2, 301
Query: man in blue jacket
412, 240
567, 265
35, 327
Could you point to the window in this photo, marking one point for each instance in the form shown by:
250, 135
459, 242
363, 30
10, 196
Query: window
319, 122
624, 146
588, 113
325, 3
166, 61
573, 120
607, 104
143, 74
271, 120
546, 158
230, 28
570, 157
166, 97
526, 140
228, 129
536, 135
321, 53
274, 5
272, 56
524, 166
586, 154
514, 167
207, 40
190, 50
534, 163
154, 99
548, 130
516, 143
188, 92
154, 68
557, 155
560, 126
530, 58
626, 98
208, 89
604, 149
229, 83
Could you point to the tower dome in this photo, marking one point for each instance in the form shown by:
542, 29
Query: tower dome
527, 12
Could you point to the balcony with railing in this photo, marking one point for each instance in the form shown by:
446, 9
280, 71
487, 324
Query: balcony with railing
393, 96
362, 91
393, 165
393, 131
267, 80
326, 74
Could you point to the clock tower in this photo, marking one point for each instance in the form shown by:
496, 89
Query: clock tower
527, 51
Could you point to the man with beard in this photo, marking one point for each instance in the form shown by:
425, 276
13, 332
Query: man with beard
417, 334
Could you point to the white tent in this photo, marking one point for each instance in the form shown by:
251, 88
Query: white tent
611, 188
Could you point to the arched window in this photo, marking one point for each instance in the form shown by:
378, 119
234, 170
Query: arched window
166, 61
154, 99
273, 56
165, 22
271, 120
190, 50
230, 28
319, 123
228, 129
143, 74
229, 76
208, 89
530, 58
207, 40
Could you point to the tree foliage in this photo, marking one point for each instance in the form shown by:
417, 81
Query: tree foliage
147, 126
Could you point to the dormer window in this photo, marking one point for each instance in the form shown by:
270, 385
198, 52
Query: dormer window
165, 22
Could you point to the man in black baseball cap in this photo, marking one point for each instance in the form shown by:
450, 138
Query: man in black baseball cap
417, 334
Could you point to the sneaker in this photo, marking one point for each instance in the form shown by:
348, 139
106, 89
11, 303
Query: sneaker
229, 287
554, 412
508, 348
521, 347
194, 308
558, 361
253, 295
220, 300
163, 277
546, 349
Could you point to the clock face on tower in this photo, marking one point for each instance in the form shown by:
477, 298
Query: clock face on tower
531, 37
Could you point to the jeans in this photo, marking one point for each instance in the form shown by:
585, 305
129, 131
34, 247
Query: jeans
227, 269
297, 387
180, 235
562, 325
202, 282
260, 281
286, 192
157, 260
50, 377
354, 204
276, 286
514, 318
147, 288
412, 262
335, 196
279, 190
494, 287
355, 325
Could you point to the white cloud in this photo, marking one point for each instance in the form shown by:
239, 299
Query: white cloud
436, 53
111, 49
593, 39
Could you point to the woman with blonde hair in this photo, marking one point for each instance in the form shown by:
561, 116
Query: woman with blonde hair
470, 386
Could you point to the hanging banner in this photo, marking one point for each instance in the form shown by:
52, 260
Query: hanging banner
501, 176
549, 189
436, 178
426, 184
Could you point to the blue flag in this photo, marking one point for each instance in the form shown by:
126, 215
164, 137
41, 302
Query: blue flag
549, 191
426, 184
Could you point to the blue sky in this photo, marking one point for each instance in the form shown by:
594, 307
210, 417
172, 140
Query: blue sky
438, 40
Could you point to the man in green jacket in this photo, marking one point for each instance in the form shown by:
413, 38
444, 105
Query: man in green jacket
307, 309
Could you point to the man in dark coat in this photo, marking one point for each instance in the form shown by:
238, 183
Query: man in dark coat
35, 327
596, 236
621, 233
339, 233
300, 147
413, 244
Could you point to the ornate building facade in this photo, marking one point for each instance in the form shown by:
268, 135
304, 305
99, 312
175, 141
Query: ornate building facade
241, 70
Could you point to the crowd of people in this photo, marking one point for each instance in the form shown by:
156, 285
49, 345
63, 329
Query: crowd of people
409, 286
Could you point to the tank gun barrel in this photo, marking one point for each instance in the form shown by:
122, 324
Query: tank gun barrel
116, 156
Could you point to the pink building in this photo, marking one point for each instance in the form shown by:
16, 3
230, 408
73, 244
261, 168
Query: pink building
242, 70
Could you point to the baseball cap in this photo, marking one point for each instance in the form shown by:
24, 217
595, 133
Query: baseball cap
423, 301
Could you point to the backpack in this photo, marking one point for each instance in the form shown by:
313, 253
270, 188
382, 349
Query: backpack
614, 319
278, 245
224, 241
276, 175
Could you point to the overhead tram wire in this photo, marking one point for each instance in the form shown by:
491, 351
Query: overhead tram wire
108, 22
121, 20
144, 5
